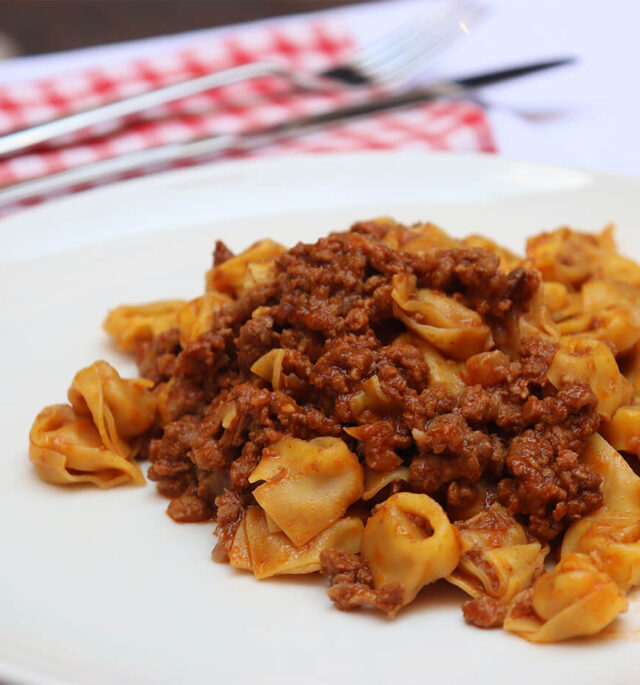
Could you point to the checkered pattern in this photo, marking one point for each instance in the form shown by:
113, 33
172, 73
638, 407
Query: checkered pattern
238, 108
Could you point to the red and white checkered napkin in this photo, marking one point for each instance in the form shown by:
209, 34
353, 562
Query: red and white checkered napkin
309, 45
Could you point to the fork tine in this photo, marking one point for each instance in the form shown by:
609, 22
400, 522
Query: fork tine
406, 62
398, 53
430, 35
390, 46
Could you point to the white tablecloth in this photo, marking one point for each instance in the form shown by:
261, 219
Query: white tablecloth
583, 115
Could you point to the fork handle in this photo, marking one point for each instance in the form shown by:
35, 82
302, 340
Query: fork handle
28, 137
104, 169
206, 147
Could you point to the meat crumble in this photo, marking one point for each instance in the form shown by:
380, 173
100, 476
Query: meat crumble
329, 307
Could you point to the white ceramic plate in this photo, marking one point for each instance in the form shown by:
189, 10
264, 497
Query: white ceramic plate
102, 587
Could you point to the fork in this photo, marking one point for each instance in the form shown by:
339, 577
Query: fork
390, 62
210, 147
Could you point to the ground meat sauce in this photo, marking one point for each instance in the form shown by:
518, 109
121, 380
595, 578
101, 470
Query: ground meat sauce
330, 308
352, 584
484, 612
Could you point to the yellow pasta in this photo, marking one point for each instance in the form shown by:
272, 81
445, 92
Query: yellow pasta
425, 238
538, 320
129, 325
572, 258
558, 298
563, 255
630, 367
271, 554
575, 599
239, 556
272, 526
66, 449
309, 484
196, 316
613, 531
499, 559
606, 311
228, 415
371, 397
121, 409
409, 540
620, 485
615, 537
445, 323
244, 271
623, 430
375, 481
442, 371
591, 362
269, 367
417, 239
95, 439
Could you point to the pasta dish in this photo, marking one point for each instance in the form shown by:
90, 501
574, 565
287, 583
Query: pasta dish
389, 406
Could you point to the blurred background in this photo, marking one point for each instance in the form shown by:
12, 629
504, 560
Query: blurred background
64, 56
30, 27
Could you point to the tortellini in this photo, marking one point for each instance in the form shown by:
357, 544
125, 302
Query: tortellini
558, 298
620, 485
499, 559
630, 367
567, 256
129, 325
196, 316
538, 320
96, 438
442, 321
623, 430
572, 258
604, 310
268, 554
244, 271
66, 448
121, 409
590, 289
576, 598
308, 484
615, 536
591, 362
613, 531
409, 540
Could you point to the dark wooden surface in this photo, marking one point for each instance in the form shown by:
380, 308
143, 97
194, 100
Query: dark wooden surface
37, 26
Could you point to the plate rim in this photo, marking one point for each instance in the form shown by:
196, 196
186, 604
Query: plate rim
168, 177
